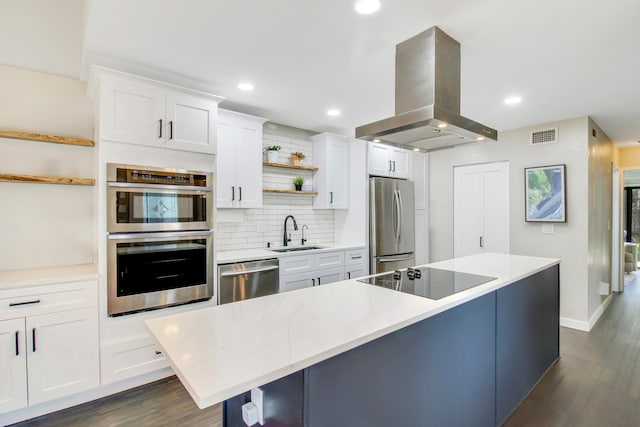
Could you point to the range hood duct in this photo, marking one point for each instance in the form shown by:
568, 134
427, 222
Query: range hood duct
427, 98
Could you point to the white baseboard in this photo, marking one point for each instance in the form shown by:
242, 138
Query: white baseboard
581, 325
77, 399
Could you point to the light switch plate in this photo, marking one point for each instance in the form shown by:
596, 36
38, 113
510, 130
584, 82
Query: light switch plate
548, 229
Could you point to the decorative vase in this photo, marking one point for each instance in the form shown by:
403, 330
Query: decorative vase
295, 161
272, 156
298, 186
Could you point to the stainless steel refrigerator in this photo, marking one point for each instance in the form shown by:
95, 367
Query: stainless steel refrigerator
391, 224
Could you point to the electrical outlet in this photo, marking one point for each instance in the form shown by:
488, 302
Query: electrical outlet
548, 229
604, 288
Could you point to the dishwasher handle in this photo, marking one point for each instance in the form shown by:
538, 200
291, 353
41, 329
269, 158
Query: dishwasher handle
241, 272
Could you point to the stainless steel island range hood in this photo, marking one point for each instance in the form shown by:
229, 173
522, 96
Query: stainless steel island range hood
427, 98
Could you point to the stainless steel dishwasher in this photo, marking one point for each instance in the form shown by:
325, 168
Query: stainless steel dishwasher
245, 280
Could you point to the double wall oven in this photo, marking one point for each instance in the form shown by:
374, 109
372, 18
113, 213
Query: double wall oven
160, 237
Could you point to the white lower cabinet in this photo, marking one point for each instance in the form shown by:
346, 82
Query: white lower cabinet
13, 365
356, 271
303, 271
47, 350
126, 359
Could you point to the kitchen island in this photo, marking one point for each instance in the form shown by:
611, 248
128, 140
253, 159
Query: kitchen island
349, 353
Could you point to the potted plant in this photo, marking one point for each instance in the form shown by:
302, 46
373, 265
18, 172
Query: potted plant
296, 157
298, 181
272, 153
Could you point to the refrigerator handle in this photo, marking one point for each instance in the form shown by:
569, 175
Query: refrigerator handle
398, 223
395, 258
400, 214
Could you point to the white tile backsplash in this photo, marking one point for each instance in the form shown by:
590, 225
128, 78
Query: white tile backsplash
238, 229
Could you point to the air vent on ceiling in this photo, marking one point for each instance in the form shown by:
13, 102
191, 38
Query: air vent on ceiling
544, 136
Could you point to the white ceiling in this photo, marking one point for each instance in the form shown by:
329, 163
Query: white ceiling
566, 58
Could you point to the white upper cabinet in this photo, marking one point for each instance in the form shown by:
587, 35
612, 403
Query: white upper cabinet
421, 179
331, 181
389, 161
239, 160
141, 111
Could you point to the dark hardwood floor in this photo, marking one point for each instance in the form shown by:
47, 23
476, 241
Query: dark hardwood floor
596, 382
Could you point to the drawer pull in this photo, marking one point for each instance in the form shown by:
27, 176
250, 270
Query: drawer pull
356, 257
17, 343
33, 336
158, 352
16, 304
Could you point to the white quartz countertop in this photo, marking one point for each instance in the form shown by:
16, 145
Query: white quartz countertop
46, 275
225, 257
219, 352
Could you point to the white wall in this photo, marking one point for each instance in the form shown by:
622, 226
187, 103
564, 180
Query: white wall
569, 241
45, 225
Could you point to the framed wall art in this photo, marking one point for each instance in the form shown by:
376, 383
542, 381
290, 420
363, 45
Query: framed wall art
545, 194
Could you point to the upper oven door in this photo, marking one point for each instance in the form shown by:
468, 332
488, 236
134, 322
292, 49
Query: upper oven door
133, 207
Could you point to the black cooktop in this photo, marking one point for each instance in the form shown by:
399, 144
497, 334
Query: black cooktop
427, 282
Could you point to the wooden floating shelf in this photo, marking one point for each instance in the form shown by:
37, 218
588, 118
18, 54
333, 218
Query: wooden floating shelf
47, 179
289, 166
32, 136
300, 193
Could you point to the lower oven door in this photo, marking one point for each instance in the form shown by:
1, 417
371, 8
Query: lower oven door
153, 270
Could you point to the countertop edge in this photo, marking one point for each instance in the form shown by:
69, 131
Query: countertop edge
47, 275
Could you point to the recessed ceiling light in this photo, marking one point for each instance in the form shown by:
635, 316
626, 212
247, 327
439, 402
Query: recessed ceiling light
247, 87
333, 112
513, 100
366, 7
378, 140
442, 125
480, 138
416, 149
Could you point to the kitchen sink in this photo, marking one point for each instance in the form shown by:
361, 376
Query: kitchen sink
296, 248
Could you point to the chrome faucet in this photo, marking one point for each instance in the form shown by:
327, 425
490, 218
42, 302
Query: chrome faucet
303, 227
287, 238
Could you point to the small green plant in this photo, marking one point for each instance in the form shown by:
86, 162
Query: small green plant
273, 148
298, 180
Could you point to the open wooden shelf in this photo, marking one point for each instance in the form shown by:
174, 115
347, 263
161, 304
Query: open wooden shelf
46, 179
300, 193
32, 136
289, 166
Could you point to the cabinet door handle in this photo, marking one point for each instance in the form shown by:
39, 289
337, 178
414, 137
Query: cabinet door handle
158, 352
160, 136
394, 165
481, 242
17, 343
313, 282
318, 281
33, 336
15, 304
331, 196
389, 165
170, 129
348, 275
240, 189
233, 193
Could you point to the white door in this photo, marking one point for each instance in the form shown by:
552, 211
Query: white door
329, 275
356, 271
295, 281
338, 176
226, 163
495, 215
248, 164
379, 163
400, 164
191, 123
62, 354
13, 365
133, 113
481, 209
